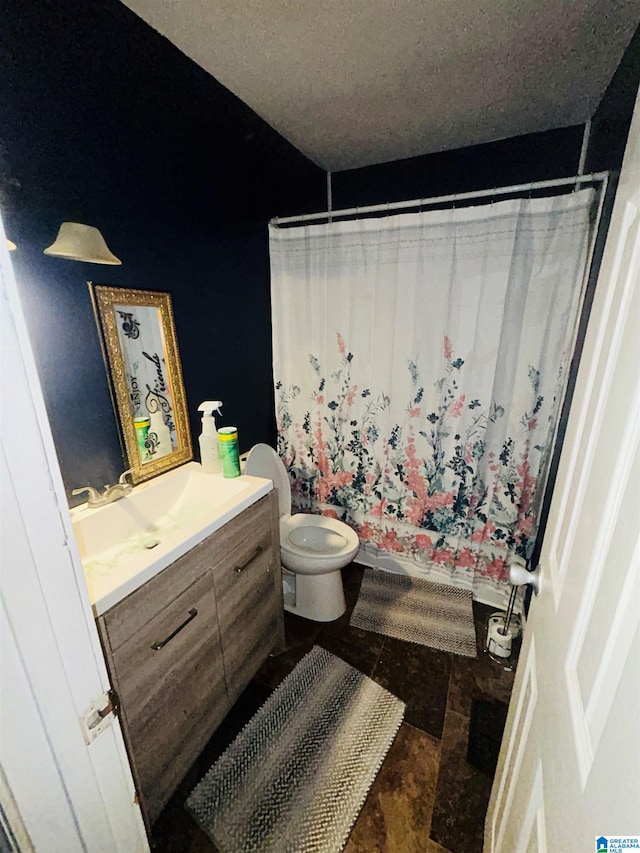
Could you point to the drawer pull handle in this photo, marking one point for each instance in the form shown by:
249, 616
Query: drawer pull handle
255, 554
192, 615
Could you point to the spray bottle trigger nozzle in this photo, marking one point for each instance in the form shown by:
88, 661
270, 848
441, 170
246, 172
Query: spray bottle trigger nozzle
210, 406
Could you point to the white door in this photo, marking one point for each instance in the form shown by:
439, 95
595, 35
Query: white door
57, 793
569, 767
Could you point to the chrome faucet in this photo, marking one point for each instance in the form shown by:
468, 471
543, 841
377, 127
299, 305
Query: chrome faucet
110, 493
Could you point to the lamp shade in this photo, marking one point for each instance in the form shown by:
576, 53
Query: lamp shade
77, 242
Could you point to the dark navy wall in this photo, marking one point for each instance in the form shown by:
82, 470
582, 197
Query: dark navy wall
105, 122
535, 157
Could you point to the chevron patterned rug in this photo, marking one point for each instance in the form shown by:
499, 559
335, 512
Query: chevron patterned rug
296, 777
418, 611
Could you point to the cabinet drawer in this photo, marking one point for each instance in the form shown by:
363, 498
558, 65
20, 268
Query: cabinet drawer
128, 617
174, 696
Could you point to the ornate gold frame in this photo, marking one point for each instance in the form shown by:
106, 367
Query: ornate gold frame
104, 298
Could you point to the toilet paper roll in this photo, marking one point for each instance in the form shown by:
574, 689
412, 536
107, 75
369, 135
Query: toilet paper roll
499, 641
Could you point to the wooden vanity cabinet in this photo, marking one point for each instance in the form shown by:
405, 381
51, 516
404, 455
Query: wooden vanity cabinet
181, 648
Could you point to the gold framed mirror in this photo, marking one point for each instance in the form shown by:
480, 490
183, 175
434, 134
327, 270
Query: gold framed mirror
140, 348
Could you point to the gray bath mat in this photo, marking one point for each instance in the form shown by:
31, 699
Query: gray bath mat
297, 775
418, 611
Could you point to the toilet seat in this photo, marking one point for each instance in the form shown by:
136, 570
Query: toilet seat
329, 543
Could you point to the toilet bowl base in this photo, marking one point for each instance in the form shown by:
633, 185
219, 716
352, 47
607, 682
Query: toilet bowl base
317, 597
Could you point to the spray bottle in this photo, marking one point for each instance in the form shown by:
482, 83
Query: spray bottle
209, 453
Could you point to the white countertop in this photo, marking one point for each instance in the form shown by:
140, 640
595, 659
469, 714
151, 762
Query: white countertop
177, 510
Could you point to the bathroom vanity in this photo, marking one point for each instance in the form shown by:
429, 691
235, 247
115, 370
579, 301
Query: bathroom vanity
184, 643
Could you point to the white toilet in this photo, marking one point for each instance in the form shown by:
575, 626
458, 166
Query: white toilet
313, 548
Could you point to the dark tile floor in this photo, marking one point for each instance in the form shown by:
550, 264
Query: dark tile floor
427, 797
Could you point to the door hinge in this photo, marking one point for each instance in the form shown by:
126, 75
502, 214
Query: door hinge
99, 715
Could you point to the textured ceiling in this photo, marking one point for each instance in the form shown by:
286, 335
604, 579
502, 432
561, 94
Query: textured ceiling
356, 82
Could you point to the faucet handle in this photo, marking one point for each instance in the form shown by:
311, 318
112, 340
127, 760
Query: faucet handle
95, 498
123, 477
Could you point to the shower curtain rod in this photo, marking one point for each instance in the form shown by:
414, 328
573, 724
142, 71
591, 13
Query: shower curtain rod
594, 177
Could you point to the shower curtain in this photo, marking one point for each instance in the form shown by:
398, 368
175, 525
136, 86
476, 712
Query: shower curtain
419, 364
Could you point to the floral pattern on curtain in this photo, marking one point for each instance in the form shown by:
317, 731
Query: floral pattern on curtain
418, 490
435, 461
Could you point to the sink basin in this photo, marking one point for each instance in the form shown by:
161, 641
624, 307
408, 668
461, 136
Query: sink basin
125, 543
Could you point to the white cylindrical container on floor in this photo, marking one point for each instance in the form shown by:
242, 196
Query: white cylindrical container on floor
498, 641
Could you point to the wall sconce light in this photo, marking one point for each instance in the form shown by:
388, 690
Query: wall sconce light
77, 242
11, 246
